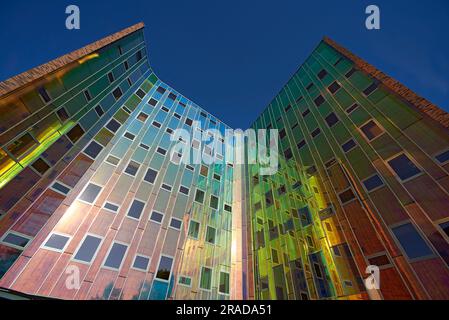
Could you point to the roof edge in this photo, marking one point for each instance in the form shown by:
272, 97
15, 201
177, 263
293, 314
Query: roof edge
424, 106
38, 72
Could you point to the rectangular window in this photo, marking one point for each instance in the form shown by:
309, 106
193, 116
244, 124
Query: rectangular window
404, 167
44, 94
322, 74
117, 93
204, 171
213, 202
185, 281
99, 110
348, 146
113, 125
371, 130
142, 117
116, 254
144, 146
57, 242
224, 283
93, 149
161, 90
156, 216
75, 133
309, 87
274, 255
132, 168
346, 196
336, 251
371, 88
319, 100
129, 136
334, 87
87, 95
268, 198
161, 151
111, 207
172, 96
210, 234
445, 227
331, 120
350, 73
305, 216
111, 77
411, 241
196, 144
194, 229
152, 102
58, 187
282, 134
443, 157
288, 154
141, 263
113, 160
164, 269
184, 190
166, 187
40, 166
135, 211
206, 278
301, 144
315, 132
15, 240
305, 113
199, 196
126, 64
150, 176
175, 223
90, 193
140, 93
62, 114
88, 249
352, 108
156, 124
188, 122
125, 108
165, 109
381, 260
138, 55
373, 183
227, 208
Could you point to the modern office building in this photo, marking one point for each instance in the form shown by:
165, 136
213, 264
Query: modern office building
94, 203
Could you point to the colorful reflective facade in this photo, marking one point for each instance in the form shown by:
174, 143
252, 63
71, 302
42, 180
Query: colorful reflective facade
88, 185
363, 180
93, 205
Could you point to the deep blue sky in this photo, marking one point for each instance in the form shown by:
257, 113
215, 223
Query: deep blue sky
232, 57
